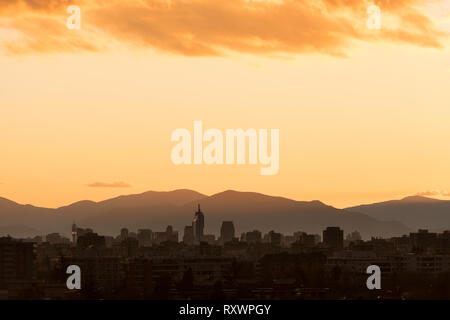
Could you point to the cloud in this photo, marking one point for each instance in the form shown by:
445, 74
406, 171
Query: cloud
37, 5
45, 34
118, 184
216, 27
433, 193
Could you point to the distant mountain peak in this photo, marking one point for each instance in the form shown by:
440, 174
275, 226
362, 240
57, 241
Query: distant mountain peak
419, 199
176, 191
318, 202
231, 192
247, 195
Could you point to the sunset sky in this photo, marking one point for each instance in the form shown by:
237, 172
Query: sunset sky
364, 115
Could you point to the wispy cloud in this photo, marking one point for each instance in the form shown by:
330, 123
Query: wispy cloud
118, 184
433, 193
214, 27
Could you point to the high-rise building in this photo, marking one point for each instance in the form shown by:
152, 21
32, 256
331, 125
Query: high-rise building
74, 233
16, 260
354, 236
304, 239
422, 239
252, 237
56, 238
274, 238
209, 239
226, 232
91, 239
123, 233
83, 231
198, 225
144, 237
188, 237
165, 236
334, 237
172, 236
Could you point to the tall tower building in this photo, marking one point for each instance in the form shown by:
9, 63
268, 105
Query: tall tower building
74, 233
226, 232
198, 225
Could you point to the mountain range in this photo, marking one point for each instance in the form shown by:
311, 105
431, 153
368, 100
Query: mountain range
248, 211
415, 212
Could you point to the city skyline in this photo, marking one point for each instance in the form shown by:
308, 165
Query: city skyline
155, 265
194, 234
249, 210
146, 264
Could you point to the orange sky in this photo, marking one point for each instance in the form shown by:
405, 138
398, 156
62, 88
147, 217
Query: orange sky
363, 114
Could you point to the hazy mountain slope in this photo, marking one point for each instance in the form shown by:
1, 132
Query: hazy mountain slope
415, 212
18, 231
83, 209
12, 213
156, 210
59, 220
257, 211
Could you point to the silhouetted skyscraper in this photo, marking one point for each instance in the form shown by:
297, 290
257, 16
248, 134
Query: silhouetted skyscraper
274, 238
165, 236
188, 237
252, 236
124, 234
171, 235
354, 236
16, 260
333, 237
91, 240
74, 233
227, 232
198, 225
144, 237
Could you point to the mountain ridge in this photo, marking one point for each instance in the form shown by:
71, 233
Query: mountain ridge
157, 209
416, 212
